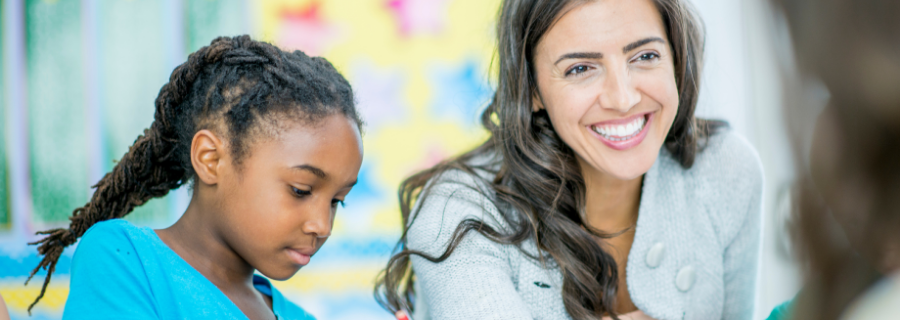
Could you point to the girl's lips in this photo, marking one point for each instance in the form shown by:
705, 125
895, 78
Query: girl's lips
624, 144
299, 257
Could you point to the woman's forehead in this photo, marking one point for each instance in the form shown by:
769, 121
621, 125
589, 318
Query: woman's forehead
608, 23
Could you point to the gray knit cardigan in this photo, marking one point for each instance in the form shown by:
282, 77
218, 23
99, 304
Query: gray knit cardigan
694, 254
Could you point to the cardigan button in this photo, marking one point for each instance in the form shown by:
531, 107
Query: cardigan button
655, 255
685, 278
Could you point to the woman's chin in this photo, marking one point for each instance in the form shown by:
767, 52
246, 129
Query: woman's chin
628, 174
627, 168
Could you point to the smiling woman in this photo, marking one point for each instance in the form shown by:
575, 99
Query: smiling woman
270, 141
599, 194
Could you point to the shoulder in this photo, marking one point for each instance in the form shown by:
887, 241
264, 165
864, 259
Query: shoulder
467, 187
112, 227
108, 236
474, 175
110, 246
879, 301
729, 171
725, 162
108, 275
728, 174
728, 155
725, 181
450, 199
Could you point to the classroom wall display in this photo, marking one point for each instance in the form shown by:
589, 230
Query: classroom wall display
79, 79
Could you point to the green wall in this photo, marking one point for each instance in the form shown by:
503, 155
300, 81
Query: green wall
207, 19
56, 116
5, 209
133, 70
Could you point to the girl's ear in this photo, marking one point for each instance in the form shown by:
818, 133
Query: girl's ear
207, 154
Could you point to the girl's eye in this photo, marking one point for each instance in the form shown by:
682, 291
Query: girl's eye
577, 70
648, 56
335, 202
300, 193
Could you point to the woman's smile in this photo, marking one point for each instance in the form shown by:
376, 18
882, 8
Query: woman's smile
608, 85
623, 134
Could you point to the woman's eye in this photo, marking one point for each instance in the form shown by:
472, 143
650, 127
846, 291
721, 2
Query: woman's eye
648, 56
300, 193
577, 70
336, 202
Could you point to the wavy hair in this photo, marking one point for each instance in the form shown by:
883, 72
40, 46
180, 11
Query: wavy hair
535, 174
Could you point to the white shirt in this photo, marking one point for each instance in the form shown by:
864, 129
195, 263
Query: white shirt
878, 302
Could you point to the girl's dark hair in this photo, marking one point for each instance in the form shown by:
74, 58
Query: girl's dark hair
234, 87
535, 174
851, 48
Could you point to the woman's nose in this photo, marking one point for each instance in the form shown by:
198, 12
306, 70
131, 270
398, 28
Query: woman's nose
617, 92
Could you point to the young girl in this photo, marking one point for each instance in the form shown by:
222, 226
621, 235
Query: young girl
599, 193
269, 141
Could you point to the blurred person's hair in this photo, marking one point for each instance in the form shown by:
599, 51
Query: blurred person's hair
237, 87
536, 182
847, 197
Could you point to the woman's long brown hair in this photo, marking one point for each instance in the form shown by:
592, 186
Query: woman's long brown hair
538, 178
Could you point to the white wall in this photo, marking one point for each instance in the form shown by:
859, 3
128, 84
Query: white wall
741, 84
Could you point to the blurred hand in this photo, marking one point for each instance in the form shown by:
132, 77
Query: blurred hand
401, 315
4, 314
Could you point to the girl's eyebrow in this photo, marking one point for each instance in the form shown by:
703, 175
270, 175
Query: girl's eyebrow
312, 169
319, 173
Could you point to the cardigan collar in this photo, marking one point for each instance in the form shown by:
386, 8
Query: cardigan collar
662, 195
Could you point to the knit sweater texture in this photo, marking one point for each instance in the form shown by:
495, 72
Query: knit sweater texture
694, 254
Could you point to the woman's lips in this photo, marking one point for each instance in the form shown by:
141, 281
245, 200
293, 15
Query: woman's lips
623, 134
300, 256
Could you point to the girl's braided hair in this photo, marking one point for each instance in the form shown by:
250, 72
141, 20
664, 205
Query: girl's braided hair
226, 87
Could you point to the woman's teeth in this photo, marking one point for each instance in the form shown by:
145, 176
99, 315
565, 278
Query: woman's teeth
621, 132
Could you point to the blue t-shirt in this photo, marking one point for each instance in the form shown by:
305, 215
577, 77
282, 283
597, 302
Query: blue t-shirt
781, 312
121, 271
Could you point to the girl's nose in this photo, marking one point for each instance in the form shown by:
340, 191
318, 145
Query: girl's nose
320, 221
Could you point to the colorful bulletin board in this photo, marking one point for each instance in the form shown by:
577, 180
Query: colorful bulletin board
79, 80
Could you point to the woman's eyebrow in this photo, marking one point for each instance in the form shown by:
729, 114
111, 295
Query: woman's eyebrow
637, 44
580, 55
598, 55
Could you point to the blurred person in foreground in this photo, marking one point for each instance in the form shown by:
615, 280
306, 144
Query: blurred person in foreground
847, 211
4, 313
